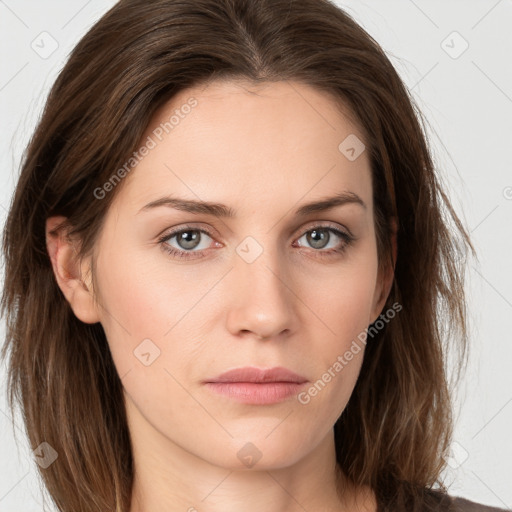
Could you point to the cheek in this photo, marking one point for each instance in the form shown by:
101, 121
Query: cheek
344, 296
133, 307
343, 309
151, 291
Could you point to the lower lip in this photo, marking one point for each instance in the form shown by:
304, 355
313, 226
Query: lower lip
257, 393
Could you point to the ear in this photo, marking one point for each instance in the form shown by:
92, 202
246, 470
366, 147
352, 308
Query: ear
385, 278
68, 270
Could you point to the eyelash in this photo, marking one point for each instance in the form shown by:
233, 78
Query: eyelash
348, 240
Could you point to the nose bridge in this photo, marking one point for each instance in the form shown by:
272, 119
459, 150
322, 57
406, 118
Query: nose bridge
261, 296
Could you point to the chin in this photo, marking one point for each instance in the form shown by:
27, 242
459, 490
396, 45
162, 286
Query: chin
259, 452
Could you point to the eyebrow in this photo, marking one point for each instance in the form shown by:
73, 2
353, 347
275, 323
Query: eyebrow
222, 210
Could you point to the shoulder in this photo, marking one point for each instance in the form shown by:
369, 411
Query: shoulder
460, 504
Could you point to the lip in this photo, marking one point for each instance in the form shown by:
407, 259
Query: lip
260, 375
257, 386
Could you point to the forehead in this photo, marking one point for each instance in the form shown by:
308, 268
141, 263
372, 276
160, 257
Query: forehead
228, 141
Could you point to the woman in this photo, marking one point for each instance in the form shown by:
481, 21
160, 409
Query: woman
231, 270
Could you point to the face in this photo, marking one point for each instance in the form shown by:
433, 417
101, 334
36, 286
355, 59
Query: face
187, 294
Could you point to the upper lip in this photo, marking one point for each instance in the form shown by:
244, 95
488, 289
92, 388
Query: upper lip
252, 374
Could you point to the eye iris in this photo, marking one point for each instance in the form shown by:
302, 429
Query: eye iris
323, 235
190, 241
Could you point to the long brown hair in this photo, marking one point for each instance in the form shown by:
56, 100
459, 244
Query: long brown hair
396, 430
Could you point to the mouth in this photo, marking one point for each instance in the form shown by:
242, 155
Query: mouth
256, 393
257, 386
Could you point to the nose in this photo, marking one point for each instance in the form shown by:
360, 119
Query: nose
261, 302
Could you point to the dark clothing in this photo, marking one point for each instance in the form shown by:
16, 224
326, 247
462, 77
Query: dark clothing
434, 500
464, 505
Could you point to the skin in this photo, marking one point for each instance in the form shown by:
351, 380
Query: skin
264, 151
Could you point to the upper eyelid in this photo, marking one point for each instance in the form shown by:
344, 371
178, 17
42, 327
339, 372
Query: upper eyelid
210, 230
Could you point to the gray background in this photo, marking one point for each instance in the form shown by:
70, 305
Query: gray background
466, 95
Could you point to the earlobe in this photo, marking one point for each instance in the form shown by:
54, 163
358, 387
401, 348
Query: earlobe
68, 270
